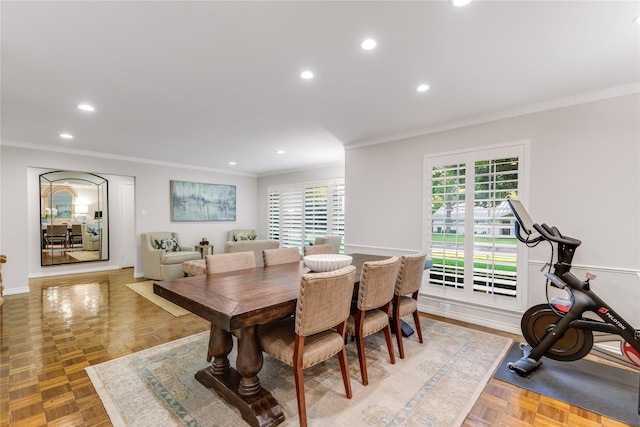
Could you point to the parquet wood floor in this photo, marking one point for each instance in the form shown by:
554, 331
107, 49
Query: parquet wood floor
66, 323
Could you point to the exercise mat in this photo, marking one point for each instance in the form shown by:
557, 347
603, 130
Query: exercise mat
596, 387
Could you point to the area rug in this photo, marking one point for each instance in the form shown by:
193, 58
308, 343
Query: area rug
84, 255
595, 387
145, 289
435, 385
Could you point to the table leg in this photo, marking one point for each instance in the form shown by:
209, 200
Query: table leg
241, 387
220, 345
249, 361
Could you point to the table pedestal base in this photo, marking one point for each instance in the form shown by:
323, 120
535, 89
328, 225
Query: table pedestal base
259, 410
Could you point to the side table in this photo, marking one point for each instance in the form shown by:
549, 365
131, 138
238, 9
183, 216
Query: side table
204, 250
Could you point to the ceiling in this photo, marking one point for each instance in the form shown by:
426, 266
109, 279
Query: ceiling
205, 83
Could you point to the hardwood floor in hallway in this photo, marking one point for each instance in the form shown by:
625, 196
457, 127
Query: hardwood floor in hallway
66, 323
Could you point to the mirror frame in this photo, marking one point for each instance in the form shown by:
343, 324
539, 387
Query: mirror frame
55, 182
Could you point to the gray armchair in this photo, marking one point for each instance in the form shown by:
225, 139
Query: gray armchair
162, 257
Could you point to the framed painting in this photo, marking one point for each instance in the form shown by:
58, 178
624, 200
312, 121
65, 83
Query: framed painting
195, 201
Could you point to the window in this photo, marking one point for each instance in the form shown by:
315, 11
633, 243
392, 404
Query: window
470, 226
300, 213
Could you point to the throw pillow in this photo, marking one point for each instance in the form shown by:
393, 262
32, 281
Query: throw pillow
168, 245
245, 236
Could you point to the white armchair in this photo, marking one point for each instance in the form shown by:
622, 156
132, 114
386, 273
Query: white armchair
334, 241
162, 257
91, 237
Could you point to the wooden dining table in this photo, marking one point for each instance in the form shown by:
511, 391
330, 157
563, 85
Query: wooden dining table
237, 303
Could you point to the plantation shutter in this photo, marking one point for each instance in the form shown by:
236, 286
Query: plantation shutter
470, 226
315, 212
291, 218
274, 215
300, 213
336, 213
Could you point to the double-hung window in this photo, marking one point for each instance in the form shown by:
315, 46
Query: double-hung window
301, 212
469, 226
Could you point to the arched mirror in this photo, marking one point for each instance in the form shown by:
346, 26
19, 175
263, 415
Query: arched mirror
74, 218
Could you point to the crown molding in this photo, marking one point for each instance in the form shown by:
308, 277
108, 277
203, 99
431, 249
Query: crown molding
584, 98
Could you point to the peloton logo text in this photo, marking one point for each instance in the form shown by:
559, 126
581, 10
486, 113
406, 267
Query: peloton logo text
605, 311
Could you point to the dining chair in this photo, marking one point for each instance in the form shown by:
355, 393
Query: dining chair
280, 256
57, 233
76, 234
405, 300
316, 333
371, 314
318, 249
223, 263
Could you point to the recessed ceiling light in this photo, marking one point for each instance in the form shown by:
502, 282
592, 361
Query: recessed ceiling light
86, 107
637, 20
368, 44
422, 88
232, 163
306, 75
460, 3
65, 135
280, 151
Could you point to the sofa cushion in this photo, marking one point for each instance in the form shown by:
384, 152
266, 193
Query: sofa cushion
178, 257
168, 245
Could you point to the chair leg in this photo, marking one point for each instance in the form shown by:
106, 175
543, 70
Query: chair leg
387, 337
360, 346
416, 320
344, 364
344, 369
362, 359
298, 376
396, 324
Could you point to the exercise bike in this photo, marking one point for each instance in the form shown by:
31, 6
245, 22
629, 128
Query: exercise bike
566, 328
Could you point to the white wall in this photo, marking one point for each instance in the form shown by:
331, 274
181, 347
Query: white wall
584, 178
19, 192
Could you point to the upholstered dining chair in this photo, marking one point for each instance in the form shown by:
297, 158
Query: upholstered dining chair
316, 333
76, 235
371, 314
405, 300
223, 263
280, 256
318, 249
57, 234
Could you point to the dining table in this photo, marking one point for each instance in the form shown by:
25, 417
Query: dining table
237, 303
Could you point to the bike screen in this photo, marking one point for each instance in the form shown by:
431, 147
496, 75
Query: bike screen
522, 216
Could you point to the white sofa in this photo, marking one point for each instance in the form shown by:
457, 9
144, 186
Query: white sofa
159, 264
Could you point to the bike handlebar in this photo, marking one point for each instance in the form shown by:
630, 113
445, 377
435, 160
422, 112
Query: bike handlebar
554, 235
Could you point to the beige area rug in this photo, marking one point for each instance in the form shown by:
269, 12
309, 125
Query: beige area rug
84, 255
435, 385
145, 289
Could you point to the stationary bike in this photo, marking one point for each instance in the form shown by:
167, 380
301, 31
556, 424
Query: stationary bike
563, 329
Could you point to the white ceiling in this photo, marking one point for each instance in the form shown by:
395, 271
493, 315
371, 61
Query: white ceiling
204, 83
